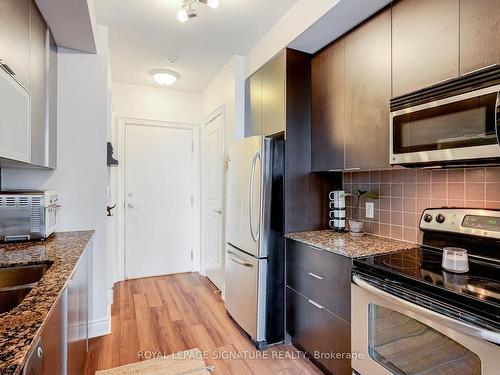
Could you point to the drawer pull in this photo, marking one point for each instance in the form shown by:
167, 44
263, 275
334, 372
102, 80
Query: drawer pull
315, 304
238, 260
315, 276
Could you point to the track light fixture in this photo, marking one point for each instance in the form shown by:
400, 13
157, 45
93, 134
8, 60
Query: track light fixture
187, 12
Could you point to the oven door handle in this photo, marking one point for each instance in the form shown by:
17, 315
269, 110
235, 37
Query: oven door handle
497, 117
466, 328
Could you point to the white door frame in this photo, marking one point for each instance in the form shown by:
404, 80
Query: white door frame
221, 111
122, 122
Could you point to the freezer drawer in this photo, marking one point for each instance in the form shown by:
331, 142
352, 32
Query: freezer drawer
246, 291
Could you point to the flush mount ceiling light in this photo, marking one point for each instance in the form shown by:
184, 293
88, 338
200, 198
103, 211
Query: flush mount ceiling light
164, 77
187, 12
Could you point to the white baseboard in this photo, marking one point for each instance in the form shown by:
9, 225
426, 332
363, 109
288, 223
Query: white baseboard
99, 327
102, 327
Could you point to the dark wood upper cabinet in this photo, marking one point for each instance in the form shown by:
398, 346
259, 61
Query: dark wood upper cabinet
367, 94
253, 107
425, 43
479, 34
15, 38
327, 72
273, 95
38, 83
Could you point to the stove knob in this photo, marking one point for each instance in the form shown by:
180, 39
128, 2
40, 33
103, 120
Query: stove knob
440, 218
428, 218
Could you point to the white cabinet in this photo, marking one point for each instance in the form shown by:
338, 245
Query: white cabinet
15, 119
28, 107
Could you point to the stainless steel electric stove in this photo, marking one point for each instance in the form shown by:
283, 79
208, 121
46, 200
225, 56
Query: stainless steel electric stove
410, 316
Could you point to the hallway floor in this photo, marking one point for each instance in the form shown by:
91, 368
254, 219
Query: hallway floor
162, 315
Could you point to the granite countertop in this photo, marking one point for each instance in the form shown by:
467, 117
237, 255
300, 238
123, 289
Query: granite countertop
20, 326
350, 246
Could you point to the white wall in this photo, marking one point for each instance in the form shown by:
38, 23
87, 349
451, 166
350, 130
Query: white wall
80, 177
150, 103
301, 16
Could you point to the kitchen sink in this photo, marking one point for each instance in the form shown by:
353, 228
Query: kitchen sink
10, 298
22, 275
16, 283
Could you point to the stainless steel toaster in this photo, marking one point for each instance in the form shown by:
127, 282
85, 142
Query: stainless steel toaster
28, 215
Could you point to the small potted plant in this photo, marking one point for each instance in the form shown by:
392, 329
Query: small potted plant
356, 226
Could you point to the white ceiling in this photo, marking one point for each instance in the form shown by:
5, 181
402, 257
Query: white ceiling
143, 33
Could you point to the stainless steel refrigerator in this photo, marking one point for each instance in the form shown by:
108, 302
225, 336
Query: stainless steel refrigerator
254, 268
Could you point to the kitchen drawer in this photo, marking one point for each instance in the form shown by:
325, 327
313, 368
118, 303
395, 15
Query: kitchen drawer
318, 332
332, 267
324, 277
325, 292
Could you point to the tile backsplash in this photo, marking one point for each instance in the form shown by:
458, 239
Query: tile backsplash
405, 193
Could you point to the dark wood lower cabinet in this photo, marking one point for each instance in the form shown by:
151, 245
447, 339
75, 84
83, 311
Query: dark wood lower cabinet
321, 276
318, 305
325, 337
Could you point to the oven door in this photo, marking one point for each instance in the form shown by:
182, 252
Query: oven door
461, 128
51, 218
395, 336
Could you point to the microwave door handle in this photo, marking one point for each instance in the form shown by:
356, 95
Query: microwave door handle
457, 325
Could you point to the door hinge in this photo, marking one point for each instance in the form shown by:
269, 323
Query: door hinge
192, 146
192, 200
191, 254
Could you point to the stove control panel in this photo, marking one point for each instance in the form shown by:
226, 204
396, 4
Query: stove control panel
474, 222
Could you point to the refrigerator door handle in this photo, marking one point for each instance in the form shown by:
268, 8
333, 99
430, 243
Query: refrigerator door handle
255, 235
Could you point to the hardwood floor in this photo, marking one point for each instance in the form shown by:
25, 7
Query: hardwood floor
173, 313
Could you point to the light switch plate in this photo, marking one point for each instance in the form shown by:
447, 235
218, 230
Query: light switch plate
370, 210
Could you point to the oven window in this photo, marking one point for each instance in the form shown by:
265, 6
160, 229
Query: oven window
405, 346
465, 123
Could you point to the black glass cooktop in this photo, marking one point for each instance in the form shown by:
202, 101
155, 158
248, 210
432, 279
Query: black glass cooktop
422, 265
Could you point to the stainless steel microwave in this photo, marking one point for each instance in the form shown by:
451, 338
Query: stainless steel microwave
454, 129
28, 215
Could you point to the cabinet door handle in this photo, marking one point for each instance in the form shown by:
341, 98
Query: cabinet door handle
315, 276
315, 304
352, 169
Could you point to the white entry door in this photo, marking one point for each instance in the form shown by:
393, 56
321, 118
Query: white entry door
158, 200
213, 182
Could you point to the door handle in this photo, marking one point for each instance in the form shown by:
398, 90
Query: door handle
218, 211
497, 118
238, 260
7, 69
255, 235
130, 205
